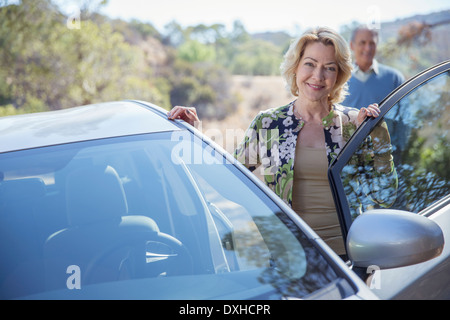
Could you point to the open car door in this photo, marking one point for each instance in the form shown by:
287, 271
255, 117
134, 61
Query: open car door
393, 170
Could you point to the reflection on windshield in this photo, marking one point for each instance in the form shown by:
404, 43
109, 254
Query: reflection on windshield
256, 235
282, 276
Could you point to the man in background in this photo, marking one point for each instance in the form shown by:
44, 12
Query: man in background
371, 81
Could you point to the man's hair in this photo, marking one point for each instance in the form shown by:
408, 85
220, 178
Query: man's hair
365, 28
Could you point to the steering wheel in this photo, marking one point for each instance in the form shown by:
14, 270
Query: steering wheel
139, 255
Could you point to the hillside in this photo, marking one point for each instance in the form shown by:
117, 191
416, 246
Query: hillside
227, 75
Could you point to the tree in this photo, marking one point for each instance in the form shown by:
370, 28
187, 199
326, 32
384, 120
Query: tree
203, 85
193, 51
256, 57
419, 32
47, 65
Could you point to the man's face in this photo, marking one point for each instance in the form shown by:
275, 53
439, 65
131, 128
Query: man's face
364, 47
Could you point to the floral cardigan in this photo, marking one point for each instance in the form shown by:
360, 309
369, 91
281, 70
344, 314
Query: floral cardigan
271, 139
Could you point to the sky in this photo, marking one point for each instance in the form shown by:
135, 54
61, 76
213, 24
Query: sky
263, 15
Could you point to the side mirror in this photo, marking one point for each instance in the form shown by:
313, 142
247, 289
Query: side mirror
393, 238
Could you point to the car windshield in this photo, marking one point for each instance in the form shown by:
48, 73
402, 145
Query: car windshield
154, 216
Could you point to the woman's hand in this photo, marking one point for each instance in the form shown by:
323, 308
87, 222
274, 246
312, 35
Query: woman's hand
371, 111
188, 114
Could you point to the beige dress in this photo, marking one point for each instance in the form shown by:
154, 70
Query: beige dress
312, 198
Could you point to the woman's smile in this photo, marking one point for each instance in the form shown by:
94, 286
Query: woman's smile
315, 86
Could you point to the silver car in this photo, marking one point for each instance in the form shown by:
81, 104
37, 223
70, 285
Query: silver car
114, 201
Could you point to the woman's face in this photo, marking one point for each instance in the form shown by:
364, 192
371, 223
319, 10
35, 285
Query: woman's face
317, 72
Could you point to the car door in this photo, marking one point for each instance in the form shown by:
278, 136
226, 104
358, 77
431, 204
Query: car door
406, 168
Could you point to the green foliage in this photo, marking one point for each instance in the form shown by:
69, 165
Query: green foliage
193, 51
8, 110
237, 51
144, 29
202, 85
257, 57
48, 64
437, 158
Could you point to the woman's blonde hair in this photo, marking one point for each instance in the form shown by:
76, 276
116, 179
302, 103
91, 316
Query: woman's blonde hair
327, 36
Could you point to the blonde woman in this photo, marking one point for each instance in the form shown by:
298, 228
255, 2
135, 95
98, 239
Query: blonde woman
294, 144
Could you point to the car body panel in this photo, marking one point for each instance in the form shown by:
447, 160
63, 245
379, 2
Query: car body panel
423, 281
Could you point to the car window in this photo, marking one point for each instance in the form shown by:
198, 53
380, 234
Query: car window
403, 163
162, 208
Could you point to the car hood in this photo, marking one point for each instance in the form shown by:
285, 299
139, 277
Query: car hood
89, 122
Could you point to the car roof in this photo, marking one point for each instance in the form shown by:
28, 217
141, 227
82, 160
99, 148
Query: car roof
95, 121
